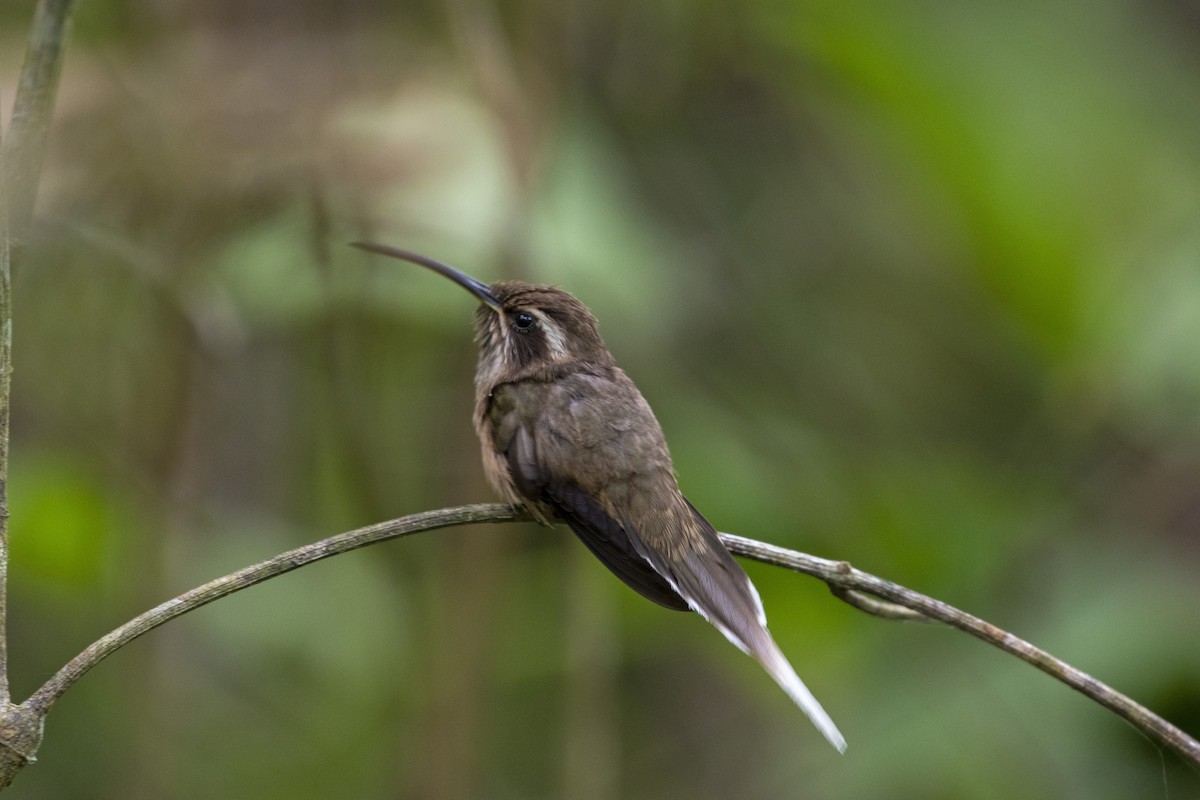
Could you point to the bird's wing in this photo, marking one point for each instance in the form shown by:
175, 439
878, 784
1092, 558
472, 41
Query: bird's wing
608, 540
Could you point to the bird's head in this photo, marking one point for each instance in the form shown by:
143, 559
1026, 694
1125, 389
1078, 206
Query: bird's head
522, 329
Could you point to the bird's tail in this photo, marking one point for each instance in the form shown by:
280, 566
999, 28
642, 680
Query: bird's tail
767, 653
705, 575
738, 613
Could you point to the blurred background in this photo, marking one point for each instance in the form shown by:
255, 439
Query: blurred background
914, 285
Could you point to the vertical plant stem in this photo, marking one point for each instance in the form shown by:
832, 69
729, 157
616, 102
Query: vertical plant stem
21, 153
5, 373
25, 145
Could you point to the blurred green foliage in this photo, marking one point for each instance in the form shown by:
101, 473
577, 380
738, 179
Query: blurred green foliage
66, 524
914, 285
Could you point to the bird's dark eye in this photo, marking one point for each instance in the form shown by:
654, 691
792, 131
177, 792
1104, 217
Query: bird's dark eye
523, 320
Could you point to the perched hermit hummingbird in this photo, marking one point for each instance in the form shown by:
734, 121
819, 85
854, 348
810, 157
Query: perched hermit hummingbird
567, 434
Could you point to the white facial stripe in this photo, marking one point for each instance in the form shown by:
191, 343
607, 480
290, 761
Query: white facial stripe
555, 339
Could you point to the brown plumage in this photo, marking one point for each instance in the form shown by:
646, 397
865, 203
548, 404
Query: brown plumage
566, 433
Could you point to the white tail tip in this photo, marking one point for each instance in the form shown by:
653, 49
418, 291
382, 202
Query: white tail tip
781, 670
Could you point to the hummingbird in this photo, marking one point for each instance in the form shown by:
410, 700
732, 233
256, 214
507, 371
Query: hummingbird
566, 433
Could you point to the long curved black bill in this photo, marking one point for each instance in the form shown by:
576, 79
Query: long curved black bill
475, 287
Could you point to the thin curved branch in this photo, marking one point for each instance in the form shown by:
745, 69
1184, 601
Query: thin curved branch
841, 576
847, 583
41, 700
875, 606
